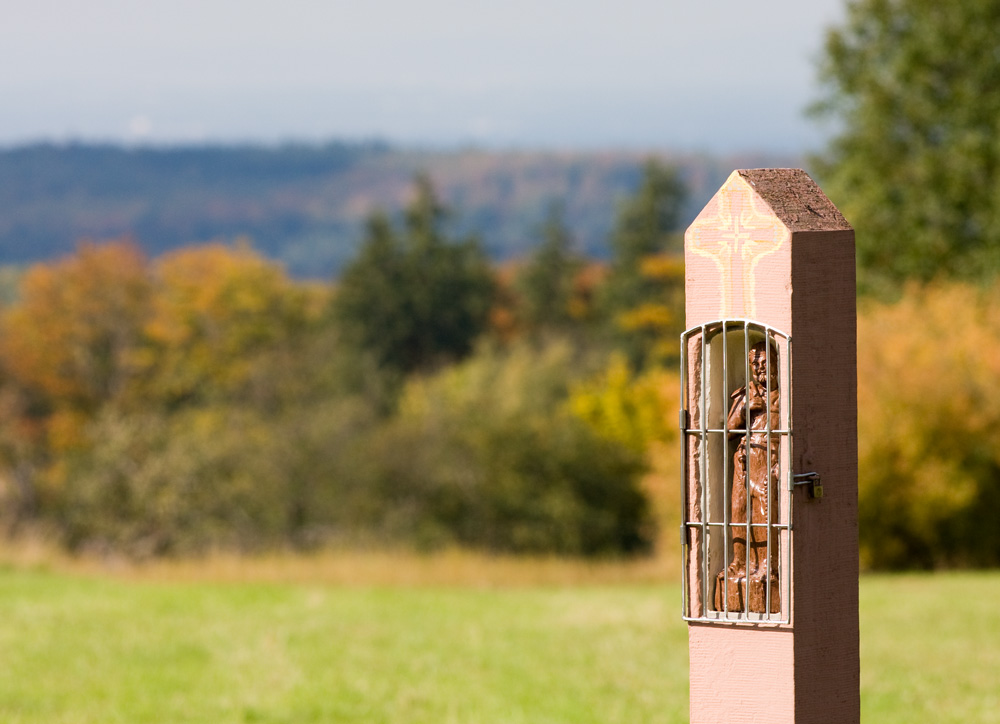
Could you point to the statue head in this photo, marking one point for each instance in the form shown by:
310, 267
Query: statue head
758, 358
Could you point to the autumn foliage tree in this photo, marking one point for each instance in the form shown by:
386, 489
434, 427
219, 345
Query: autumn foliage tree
70, 345
73, 336
106, 333
638, 290
929, 406
214, 309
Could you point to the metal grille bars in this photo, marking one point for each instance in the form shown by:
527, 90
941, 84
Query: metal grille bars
736, 478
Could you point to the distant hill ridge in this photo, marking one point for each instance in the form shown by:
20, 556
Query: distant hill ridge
305, 205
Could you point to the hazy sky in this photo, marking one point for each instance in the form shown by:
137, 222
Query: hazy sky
716, 75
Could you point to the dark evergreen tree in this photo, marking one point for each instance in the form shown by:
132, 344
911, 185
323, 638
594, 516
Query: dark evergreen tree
646, 227
546, 282
415, 298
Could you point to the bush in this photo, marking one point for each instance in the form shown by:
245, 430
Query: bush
153, 484
486, 454
222, 477
632, 410
929, 411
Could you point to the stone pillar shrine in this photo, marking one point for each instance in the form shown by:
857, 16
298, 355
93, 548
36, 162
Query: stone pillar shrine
769, 455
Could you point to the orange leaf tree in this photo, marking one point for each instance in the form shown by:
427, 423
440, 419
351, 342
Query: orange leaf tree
70, 343
215, 308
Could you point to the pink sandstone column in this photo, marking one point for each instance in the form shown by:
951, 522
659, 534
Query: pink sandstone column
771, 248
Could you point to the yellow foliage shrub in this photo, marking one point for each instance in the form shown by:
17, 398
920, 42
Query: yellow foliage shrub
634, 411
929, 420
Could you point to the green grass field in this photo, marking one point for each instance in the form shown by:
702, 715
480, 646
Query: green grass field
99, 648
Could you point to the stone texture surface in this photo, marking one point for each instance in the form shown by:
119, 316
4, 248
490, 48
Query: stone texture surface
795, 199
770, 247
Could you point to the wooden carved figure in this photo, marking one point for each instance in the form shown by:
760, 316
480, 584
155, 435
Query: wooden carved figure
753, 568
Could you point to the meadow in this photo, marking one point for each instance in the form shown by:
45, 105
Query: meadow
451, 638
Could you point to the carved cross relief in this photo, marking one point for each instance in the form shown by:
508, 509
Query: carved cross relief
736, 235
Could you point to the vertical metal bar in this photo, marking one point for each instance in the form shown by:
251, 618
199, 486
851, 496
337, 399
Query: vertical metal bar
683, 478
790, 426
726, 537
767, 411
788, 420
703, 425
746, 471
685, 520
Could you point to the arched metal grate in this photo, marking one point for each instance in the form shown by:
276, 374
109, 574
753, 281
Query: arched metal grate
736, 475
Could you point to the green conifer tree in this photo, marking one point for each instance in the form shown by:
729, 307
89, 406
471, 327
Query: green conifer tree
415, 298
914, 88
645, 227
546, 282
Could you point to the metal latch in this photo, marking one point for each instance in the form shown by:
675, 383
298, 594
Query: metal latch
812, 480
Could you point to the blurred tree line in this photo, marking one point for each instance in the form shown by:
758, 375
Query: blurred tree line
204, 400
